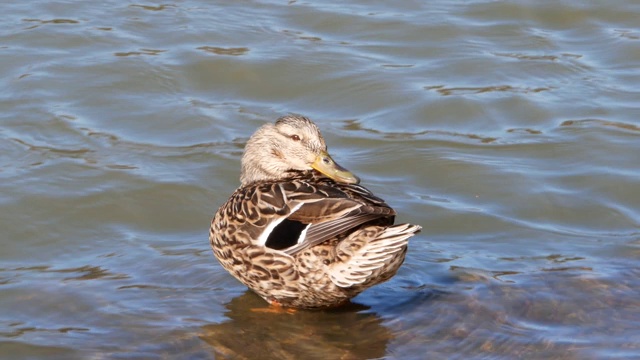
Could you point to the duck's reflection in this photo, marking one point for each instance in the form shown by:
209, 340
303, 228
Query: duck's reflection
255, 331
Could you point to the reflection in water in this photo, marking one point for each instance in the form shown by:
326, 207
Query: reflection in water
354, 125
257, 331
86, 272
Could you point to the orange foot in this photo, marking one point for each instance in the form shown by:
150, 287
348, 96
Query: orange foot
275, 308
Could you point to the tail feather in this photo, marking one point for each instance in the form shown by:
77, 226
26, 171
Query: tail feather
367, 250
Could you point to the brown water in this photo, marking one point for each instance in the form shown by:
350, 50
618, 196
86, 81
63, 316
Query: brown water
509, 130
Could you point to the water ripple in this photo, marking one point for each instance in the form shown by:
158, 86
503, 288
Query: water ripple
508, 130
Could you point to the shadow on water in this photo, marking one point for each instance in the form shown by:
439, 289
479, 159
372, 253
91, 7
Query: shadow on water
257, 331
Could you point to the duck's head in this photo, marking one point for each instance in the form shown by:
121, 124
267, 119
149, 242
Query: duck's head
293, 143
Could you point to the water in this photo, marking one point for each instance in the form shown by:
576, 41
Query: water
509, 130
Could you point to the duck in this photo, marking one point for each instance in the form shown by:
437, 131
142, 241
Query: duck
300, 231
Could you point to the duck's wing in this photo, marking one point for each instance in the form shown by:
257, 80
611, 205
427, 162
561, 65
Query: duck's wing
293, 215
321, 211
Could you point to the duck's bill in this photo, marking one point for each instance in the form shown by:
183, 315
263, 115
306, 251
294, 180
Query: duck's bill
325, 164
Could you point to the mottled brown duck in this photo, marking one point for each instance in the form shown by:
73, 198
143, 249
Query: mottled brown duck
300, 231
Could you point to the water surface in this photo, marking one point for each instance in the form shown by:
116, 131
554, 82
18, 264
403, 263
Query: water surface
509, 130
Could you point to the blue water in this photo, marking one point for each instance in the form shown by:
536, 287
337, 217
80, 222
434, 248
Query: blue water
508, 130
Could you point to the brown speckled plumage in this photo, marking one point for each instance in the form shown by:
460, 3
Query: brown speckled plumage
332, 238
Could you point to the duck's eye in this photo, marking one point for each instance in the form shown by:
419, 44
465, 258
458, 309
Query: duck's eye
295, 137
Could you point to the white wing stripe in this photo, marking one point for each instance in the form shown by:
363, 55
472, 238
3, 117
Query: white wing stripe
262, 239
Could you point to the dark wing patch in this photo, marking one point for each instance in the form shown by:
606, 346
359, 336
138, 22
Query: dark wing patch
285, 234
322, 232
